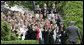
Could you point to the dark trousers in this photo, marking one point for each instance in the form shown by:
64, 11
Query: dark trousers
63, 40
40, 41
71, 42
46, 41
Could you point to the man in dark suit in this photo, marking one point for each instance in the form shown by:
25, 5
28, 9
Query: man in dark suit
44, 14
73, 32
54, 8
44, 8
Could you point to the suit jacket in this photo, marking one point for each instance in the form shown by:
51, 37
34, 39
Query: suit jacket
44, 15
42, 10
73, 32
58, 21
31, 35
55, 10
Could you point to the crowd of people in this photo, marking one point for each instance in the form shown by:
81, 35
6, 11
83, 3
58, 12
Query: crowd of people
45, 26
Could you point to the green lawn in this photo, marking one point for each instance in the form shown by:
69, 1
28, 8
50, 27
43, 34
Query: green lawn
20, 42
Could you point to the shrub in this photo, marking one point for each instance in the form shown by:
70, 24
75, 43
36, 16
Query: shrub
13, 37
73, 11
5, 30
6, 33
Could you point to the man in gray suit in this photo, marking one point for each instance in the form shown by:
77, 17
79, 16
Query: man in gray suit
73, 31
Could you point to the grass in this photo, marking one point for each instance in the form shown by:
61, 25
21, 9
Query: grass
20, 42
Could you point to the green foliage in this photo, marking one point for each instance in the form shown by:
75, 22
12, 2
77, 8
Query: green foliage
13, 37
70, 10
6, 34
28, 4
5, 30
20, 42
73, 11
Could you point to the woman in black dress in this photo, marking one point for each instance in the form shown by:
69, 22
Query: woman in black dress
46, 35
29, 34
63, 34
51, 32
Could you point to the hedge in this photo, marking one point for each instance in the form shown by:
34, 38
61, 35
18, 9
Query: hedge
73, 11
6, 33
20, 42
5, 30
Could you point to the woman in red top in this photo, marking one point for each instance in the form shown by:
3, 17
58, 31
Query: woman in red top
37, 35
38, 31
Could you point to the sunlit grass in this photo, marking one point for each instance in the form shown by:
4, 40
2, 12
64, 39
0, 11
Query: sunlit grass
20, 42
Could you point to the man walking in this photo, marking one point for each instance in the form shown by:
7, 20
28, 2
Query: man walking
73, 31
